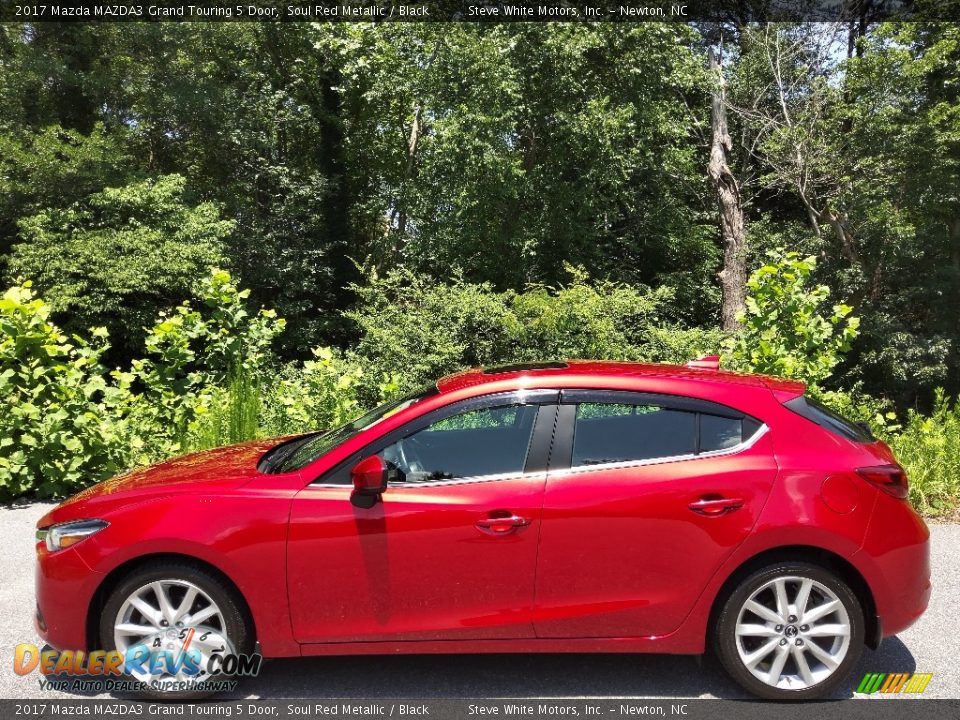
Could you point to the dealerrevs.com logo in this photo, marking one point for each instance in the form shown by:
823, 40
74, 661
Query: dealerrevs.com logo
891, 683
158, 669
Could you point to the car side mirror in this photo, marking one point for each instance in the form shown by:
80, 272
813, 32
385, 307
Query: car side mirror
369, 478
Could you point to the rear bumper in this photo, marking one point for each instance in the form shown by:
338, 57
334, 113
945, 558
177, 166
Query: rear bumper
895, 561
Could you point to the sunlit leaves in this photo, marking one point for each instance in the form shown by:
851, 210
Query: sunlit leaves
788, 328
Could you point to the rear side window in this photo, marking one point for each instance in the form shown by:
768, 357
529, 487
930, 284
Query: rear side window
624, 432
829, 420
613, 432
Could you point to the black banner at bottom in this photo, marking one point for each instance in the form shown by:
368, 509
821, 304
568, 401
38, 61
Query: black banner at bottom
879, 708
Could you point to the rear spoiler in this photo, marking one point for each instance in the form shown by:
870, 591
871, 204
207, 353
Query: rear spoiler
783, 389
706, 362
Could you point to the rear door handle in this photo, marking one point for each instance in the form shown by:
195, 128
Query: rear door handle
715, 506
501, 524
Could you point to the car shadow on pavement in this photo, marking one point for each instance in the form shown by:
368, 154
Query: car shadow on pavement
891, 657
520, 675
530, 675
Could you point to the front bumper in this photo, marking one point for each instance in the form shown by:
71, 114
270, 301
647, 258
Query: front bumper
65, 586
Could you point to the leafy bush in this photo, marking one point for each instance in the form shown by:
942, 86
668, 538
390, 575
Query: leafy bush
225, 415
928, 447
201, 362
209, 378
787, 330
415, 329
60, 428
320, 394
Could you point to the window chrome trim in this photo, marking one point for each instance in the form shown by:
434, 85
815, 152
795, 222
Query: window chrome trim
495, 477
624, 464
576, 470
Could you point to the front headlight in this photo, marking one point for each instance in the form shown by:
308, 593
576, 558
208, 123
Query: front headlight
59, 537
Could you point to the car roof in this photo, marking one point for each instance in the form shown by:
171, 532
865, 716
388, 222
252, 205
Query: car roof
562, 372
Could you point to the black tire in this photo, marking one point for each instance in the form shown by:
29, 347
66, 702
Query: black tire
725, 641
238, 627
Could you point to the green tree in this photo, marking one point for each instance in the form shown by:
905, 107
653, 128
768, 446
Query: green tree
863, 151
533, 145
119, 256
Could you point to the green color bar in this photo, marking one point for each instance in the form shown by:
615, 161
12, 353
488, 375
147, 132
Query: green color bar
871, 682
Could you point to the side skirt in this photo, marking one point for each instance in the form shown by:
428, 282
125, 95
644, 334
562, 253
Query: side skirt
660, 644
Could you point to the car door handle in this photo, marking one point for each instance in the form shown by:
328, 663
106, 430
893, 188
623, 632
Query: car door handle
715, 505
501, 524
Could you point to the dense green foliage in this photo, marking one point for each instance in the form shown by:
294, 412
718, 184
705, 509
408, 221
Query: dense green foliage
929, 448
116, 256
135, 155
209, 378
415, 329
414, 198
67, 420
57, 429
856, 161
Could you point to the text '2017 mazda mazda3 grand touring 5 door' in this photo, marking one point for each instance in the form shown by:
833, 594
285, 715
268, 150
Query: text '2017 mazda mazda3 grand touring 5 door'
581, 506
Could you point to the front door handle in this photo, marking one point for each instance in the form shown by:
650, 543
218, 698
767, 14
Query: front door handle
501, 524
715, 505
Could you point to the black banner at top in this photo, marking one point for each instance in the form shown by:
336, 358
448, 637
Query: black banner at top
482, 11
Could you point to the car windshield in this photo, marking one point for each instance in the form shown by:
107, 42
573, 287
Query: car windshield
301, 453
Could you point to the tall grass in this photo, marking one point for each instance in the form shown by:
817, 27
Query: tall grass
928, 447
231, 416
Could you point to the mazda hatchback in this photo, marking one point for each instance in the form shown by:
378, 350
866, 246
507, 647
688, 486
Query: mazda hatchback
574, 506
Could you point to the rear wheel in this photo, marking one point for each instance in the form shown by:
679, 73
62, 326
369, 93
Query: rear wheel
175, 617
790, 631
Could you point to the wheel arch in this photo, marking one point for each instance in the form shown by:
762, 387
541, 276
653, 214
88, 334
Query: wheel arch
115, 576
814, 555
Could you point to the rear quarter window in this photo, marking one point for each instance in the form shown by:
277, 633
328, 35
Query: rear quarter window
827, 419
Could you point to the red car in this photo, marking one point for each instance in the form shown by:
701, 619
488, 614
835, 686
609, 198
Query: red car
554, 507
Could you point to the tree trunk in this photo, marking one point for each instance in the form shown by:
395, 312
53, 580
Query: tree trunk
412, 143
733, 275
953, 231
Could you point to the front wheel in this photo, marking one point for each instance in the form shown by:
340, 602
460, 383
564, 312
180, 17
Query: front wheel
169, 620
790, 631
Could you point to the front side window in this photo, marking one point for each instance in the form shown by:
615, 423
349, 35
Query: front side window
297, 454
485, 441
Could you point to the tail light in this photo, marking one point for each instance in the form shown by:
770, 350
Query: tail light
890, 478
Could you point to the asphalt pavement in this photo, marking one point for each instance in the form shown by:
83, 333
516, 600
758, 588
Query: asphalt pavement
932, 645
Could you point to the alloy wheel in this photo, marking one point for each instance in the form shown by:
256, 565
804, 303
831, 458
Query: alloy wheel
175, 616
792, 633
